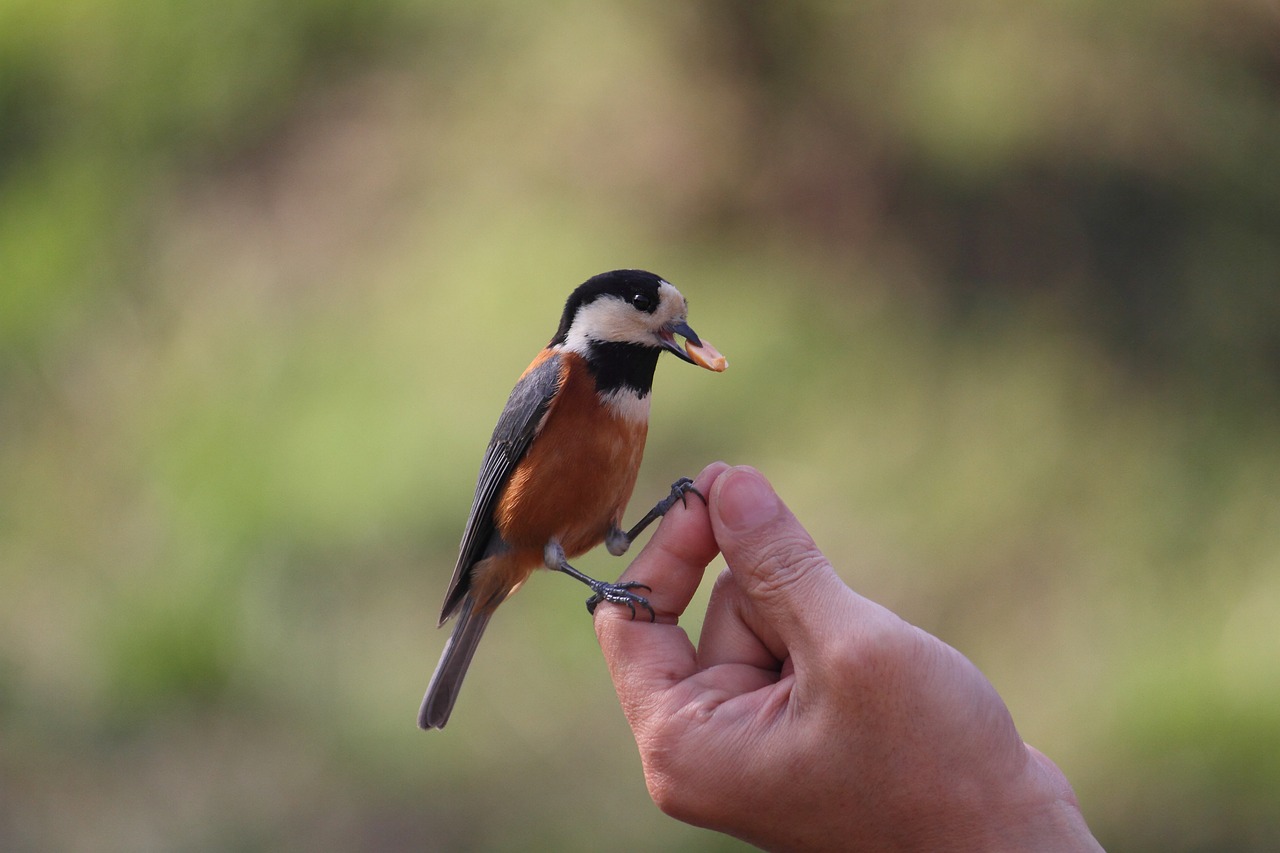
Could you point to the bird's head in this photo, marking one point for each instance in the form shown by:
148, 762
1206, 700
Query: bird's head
632, 307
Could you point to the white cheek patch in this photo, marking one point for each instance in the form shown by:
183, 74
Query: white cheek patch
606, 319
625, 403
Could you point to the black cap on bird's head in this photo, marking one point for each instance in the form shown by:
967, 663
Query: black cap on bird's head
632, 307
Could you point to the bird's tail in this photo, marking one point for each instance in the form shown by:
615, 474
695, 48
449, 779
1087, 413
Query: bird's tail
442, 692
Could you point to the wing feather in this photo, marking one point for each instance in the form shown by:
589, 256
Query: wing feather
519, 422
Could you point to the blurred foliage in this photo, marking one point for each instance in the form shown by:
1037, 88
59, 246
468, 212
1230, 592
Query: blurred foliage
999, 288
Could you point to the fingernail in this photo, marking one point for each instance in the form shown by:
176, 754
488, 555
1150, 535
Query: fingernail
746, 500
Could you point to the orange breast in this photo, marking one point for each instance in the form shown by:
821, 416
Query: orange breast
576, 479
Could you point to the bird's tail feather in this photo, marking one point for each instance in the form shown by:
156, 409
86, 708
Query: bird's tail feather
442, 692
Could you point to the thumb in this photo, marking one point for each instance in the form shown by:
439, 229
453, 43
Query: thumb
773, 559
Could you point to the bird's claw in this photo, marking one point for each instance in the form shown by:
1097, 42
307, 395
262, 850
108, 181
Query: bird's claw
620, 593
680, 490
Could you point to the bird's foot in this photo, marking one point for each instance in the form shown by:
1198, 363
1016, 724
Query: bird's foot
680, 490
620, 593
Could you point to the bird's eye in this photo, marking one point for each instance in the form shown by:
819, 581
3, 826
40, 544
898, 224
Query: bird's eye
641, 302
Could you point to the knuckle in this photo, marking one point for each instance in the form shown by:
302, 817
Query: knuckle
724, 584
872, 654
674, 776
663, 774
856, 658
667, 795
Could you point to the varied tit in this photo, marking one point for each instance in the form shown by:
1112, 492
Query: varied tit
563, 460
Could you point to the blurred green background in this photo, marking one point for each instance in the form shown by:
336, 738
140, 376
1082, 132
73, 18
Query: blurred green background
1000, 288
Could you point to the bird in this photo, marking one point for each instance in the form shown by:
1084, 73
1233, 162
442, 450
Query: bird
562, 461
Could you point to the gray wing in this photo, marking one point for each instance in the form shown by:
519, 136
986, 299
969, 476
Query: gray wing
517, 425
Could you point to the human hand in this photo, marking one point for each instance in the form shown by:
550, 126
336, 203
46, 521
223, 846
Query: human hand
809, 717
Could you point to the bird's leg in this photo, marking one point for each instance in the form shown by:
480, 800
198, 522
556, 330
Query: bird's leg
615, 593
618, 542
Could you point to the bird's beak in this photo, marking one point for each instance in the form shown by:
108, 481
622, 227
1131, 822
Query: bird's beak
696, 351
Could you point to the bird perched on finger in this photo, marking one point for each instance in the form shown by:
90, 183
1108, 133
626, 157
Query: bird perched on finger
563, 460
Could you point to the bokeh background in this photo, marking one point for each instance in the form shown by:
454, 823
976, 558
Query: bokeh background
999, 284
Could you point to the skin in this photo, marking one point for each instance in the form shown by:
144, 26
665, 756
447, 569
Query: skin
809, 717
